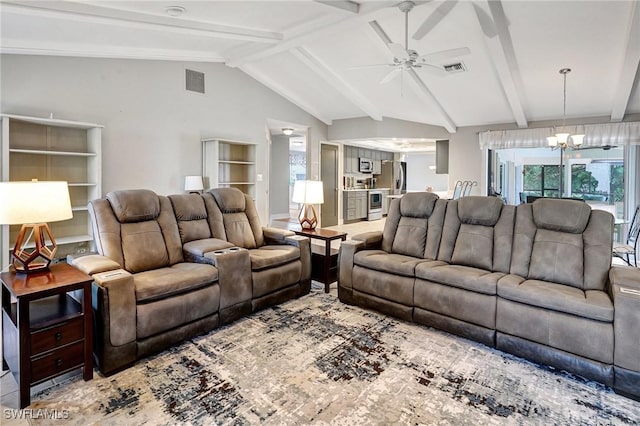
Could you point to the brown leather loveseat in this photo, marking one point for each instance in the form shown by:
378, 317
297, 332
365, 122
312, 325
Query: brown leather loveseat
169, 268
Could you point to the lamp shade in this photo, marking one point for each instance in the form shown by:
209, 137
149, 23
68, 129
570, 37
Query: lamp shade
34, 202
552, 140
193, 183
308, 192
577, 139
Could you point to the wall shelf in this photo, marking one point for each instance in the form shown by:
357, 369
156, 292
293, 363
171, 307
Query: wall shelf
228, 163
49, 149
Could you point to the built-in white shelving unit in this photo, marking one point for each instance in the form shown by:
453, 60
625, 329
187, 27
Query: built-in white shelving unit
50, 149
229, 163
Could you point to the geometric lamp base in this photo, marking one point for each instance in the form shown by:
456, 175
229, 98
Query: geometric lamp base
40, 257
307, 217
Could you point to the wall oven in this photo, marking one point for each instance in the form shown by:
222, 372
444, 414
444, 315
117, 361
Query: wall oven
374, 205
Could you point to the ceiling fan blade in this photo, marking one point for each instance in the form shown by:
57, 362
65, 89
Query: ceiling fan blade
434, 19
380, 32
437, 57
398, 51
393, 74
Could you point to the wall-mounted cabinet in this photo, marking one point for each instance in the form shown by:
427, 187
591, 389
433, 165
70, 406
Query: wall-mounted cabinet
50, 149
353, 154
229, 164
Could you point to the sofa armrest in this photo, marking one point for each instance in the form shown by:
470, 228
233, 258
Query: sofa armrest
348, 250
276, 235
625, 293
92, 263
198, 248
304, 244
371, 240
234, 275
117, 299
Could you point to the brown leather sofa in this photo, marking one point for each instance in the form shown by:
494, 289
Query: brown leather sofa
169, 268
534, 280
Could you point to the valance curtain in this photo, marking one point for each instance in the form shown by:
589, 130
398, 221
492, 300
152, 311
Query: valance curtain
615, 134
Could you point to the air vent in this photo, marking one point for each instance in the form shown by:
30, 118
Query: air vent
457, 67
195, 81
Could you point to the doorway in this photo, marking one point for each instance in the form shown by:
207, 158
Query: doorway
329, 177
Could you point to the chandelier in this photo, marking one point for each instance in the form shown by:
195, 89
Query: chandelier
561, 140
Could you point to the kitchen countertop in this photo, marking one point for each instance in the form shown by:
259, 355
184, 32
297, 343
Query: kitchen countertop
368, 189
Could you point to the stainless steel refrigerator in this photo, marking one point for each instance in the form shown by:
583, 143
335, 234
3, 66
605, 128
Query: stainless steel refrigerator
393, 175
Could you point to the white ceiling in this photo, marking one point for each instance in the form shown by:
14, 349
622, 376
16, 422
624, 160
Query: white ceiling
304, 50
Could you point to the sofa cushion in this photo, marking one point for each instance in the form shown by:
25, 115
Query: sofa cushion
167, 282
230, 200
411, 236
465, 277
393, 263
592, 304
191, 216
557, 257
474, 246
561, 215
474, 210
135, 205
143, 246
418, 204
271, 256
238, 230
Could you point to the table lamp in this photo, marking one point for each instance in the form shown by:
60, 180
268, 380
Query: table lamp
308, 192
193, 184
32, 205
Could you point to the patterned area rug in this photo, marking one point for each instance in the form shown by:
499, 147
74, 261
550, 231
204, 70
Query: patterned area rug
316, 360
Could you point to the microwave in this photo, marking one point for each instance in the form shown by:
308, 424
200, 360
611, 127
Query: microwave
366, 165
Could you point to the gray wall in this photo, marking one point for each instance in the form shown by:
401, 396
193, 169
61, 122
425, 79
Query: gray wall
279, 178
419, 175
365, 127
153, 127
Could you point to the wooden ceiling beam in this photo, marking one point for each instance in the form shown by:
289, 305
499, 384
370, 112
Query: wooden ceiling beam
629, 68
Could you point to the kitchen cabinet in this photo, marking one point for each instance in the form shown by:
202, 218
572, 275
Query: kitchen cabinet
352, 155
385, 201
355, 205
377, 167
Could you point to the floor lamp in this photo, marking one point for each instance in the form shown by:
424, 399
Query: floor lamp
32, 205
308, 193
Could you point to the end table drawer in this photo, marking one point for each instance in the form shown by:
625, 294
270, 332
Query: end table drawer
60, 335
65, 358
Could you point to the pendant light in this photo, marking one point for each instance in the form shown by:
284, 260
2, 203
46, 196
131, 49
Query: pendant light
561, 139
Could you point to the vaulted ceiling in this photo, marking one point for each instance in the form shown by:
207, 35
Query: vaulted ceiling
314, 53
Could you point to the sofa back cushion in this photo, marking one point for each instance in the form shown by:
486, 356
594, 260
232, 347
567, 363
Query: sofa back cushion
478, 232
137, 229
563, 241
414, 225
191, 216
240, 224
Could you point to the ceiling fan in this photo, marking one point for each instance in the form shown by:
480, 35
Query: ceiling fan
407, 60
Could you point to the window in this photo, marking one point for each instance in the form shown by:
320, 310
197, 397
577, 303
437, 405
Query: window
541, 180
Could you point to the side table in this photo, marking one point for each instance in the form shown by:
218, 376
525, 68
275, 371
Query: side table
46, 332
324, 263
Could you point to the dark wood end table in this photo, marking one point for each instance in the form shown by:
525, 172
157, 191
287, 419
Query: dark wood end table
324, 263
46, 331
